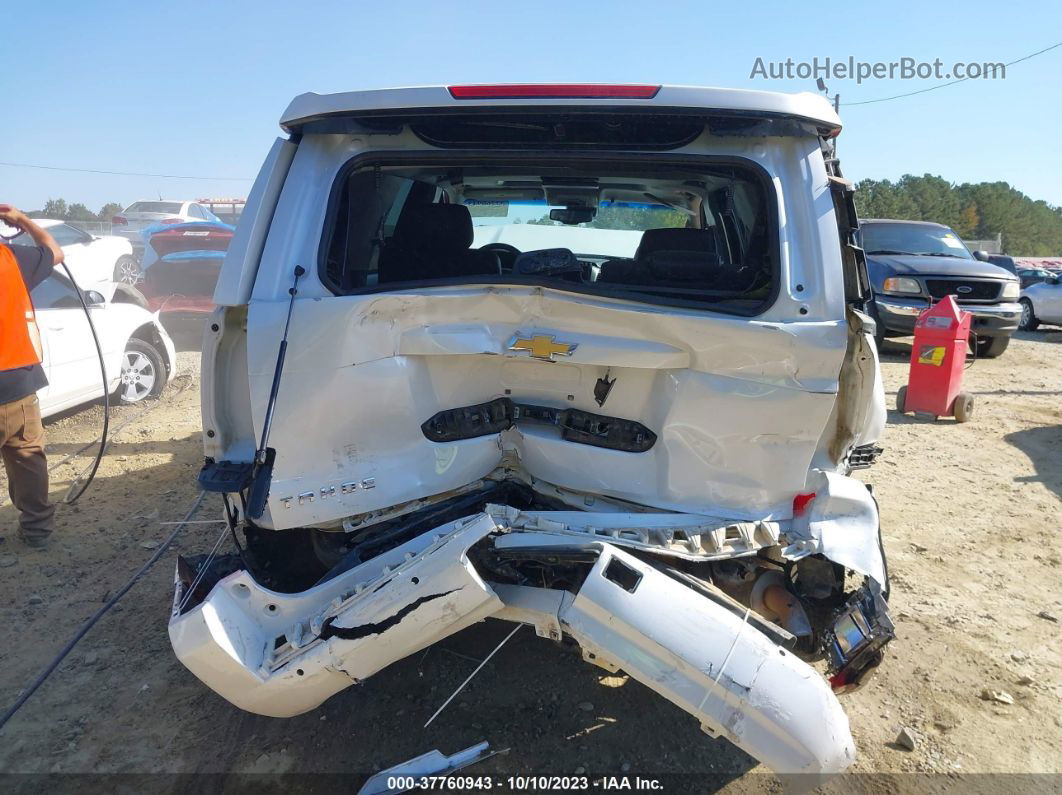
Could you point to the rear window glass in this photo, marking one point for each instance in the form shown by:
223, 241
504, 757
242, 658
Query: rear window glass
173, 208
701, 235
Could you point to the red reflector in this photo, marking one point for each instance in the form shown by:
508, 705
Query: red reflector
554, 91
801, 502
839, 682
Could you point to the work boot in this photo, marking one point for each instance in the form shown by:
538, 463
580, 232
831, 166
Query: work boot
34, 539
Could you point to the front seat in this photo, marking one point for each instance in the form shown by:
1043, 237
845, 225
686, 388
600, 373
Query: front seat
677, 239
431, 241
667, 255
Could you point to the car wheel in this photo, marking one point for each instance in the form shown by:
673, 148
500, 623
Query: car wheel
991, 347
1028, 320
127, 270
143, 372
901, 400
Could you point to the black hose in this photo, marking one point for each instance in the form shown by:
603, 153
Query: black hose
71, 497
29, 691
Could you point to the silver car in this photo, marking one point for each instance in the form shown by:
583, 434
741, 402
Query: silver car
1041, 303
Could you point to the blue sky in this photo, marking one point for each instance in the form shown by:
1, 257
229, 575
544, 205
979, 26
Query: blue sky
197, 89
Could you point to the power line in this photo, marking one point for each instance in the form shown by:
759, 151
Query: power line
952, 82
122, 173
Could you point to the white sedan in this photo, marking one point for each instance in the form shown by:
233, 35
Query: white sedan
93, 259
139, 354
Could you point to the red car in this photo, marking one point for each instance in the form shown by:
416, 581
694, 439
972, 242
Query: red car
181, 266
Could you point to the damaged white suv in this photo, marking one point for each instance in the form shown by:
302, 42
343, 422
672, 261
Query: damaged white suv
590, 358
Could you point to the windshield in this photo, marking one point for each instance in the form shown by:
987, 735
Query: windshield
615, 230
674, 235
921, 239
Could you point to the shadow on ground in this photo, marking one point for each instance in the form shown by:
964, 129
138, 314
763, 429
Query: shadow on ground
1043, 446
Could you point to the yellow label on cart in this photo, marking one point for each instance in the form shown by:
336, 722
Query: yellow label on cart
931, 354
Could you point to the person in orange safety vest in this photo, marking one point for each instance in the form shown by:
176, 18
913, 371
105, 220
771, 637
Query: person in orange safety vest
23, 267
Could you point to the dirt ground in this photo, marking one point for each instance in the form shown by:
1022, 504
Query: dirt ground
971, 516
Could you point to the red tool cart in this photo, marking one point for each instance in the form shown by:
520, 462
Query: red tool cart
938, 355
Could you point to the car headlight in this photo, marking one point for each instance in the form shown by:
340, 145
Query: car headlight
902, 285
1011, 290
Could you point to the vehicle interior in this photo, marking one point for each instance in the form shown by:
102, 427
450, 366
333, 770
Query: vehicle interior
676, 235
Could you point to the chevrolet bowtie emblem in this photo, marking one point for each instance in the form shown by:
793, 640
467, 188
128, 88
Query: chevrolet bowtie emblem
542, 346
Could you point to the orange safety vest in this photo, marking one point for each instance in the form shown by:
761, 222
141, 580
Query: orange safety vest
20, 339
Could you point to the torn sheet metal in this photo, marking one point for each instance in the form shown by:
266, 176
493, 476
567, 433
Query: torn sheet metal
841, 523
433, 763
686, 536
283, 654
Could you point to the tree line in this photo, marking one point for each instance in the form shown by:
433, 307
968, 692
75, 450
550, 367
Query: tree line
60, 210
976, 211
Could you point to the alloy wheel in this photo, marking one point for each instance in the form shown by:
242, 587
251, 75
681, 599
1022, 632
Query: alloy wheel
138, 376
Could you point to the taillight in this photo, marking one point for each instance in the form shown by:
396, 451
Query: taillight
554, 91
172, 221
119, 220
801, 503
839, 682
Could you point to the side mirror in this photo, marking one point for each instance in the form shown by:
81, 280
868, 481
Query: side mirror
94, 298
981, 255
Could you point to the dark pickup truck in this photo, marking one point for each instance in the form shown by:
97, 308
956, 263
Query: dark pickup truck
913, 264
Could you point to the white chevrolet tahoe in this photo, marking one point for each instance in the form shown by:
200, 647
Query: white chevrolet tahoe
591, 358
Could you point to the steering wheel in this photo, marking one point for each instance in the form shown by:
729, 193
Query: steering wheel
506, 254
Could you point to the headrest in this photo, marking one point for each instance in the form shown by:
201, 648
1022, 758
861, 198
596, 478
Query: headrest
442, 228
682, 266
675, 240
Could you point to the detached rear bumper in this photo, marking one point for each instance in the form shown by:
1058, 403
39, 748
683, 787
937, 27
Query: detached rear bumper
700, 656
284, 654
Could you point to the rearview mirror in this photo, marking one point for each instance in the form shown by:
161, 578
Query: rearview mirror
93, 298
981, 255
573, 215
